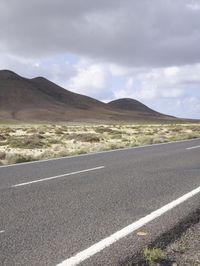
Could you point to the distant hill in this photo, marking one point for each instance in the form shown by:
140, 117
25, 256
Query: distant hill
39, 99
130, 105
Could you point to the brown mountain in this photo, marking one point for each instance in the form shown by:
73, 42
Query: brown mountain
39, 99
130, 105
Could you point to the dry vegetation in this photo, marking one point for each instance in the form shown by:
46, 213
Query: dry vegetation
22, 143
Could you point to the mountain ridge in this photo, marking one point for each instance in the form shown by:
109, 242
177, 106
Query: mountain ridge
39, 99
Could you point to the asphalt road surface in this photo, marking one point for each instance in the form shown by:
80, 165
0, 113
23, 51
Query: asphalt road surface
86, 210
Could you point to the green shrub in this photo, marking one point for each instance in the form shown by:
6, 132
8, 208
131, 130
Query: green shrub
2, 155
102, 130
8, 130
174, 138
51, 141
65, 128
85, 137
176, 129
46, 155
3, 143
59, 131
63, 153
196, 129
116, 135
159, 139
29, 142
114, 146
190, 136
144, 140
18, 158
32, 130
153, 255
2, 137
82, 151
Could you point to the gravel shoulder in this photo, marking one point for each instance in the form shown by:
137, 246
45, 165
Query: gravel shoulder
186, 249
178, 247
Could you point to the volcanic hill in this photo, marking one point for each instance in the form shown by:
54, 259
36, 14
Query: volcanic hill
39, 99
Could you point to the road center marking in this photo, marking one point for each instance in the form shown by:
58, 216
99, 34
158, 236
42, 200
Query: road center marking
194, 147
58, 176
106, 242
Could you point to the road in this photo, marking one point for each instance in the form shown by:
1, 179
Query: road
52, 210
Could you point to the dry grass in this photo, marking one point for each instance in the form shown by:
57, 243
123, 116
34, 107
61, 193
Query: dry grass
20, 143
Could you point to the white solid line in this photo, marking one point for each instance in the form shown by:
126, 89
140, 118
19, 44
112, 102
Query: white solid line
106, 242
99, 152
194, 147
58, 176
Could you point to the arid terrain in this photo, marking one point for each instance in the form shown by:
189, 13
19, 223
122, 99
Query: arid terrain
23, 142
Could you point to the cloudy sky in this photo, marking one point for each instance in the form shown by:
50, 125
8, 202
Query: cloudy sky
143, 49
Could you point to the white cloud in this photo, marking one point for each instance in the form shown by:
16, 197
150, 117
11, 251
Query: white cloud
91, 79
88, 77
171, 72
117, 70
184, 107
170, 82
193, 5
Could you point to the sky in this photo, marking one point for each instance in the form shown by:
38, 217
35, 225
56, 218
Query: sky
148, 50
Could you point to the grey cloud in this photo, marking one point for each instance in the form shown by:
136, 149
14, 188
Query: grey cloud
57, 73
191, 83
185, 107
149, 33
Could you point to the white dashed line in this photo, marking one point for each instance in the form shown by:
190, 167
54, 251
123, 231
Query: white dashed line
106, 242
2, 231
58, 176
192, 148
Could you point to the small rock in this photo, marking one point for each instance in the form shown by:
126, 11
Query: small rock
142, 233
